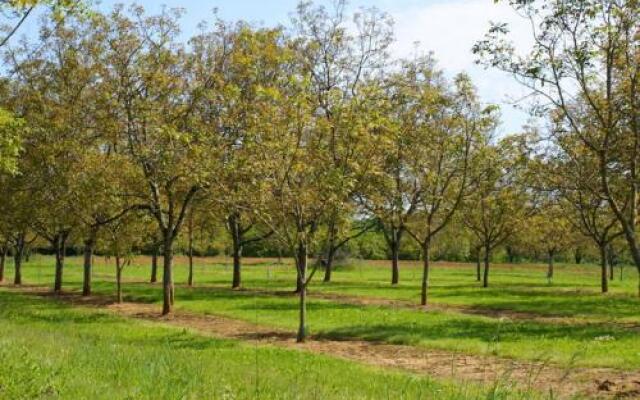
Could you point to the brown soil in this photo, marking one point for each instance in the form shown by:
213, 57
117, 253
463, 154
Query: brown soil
540, 376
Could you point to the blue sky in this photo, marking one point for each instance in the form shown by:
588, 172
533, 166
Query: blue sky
447, 27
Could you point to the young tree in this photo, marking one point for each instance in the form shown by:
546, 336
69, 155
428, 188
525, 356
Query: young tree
17, 213
444, 130
121, 239
301, 185
151, 105
231, 110
573, 174
550, 232
584, 65
495, 210
342, 54
53, 91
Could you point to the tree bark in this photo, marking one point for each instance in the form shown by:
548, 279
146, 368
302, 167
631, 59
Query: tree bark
487, 254
17, 260
167, 275
190, 249
302, 273
604, 272
393, 241
328, 266
236, 240
154, 263
3, 258
89, 245
328, 263
478, 267
426, 247
59, 244
299, 281
395, 269
118, 279
610, 261
550, 268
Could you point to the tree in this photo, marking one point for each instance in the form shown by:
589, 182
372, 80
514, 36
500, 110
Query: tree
17, 211
444, 130
341, 63
551, 233
231, 110
121, 239
573, 173
495, 210
302, 185
584, 66
52, 89
151, 94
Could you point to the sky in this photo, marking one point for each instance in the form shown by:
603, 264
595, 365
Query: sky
448, 28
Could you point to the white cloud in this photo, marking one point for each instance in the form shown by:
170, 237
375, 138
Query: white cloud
449, 29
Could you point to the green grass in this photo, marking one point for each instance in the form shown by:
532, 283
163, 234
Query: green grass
590, 338
51, 351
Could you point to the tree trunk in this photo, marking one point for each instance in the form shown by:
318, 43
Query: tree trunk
17, 260
578, 255
190, 278
302, 273
425, 273
154, 263
167, 275
299, 281
60, 249
118, 279
3, 258
611, 271
610, 261
393, 241
550, 267
395, 269
89, 245
478, 267
604, 272
328, 264
190, 249
237, 267
487, 254
236, 240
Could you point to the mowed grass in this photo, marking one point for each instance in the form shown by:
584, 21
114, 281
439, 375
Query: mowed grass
589, 331
51, 351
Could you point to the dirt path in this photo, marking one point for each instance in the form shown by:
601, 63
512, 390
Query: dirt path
540, 376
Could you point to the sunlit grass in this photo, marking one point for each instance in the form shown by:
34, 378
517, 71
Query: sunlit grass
586, 316
49, 350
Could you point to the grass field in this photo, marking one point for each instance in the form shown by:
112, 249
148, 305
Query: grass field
568, 324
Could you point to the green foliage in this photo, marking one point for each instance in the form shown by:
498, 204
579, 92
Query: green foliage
11, 129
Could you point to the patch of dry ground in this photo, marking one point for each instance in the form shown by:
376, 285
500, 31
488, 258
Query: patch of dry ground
539, 376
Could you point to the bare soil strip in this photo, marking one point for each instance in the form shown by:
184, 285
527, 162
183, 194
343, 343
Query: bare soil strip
527, 375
